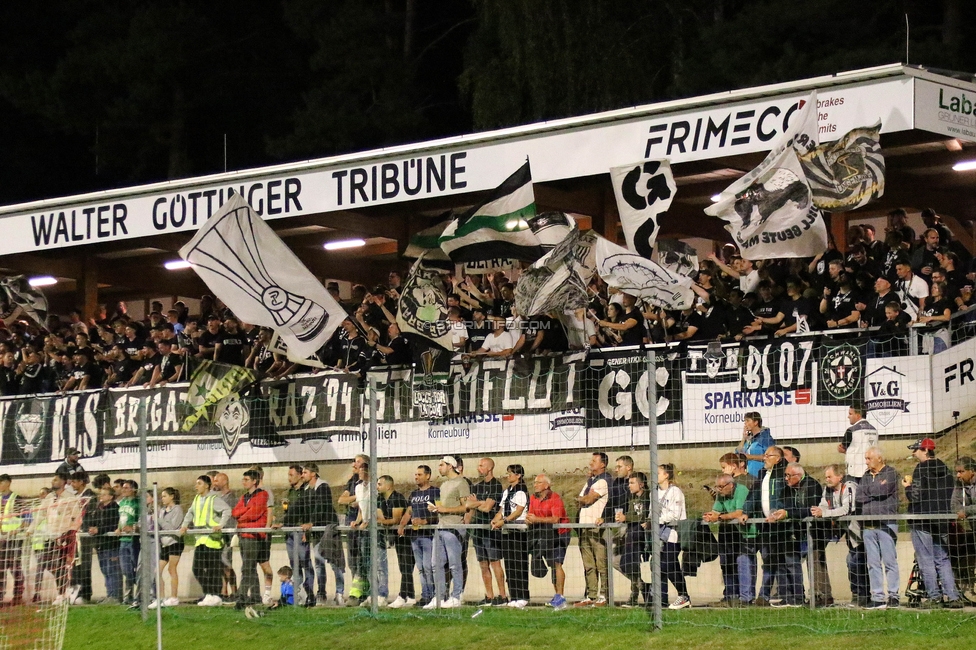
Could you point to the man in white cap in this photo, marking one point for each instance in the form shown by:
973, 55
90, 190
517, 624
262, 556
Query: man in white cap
448, 543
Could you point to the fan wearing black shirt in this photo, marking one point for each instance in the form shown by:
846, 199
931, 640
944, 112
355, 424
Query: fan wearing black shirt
122, 368
873, 311
391, 506
937, 308
838, 307
208, 340
144, 373
169, 367
631, 325
737, 315
8, 375
86, 373
133, 343
796, 311
478, 329
398, 351
353, 356
767, 312
232, 348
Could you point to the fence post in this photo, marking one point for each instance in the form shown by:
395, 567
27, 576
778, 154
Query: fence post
146, 556
655, 504
608, 540
373, 524
158, 572
811, 566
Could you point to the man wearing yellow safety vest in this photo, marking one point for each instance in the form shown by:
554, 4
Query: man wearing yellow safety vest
12, 513
208, 510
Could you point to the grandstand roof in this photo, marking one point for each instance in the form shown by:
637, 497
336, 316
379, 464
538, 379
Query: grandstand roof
111, 245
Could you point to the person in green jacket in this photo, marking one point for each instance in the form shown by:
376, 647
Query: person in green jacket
736, 542
129, 544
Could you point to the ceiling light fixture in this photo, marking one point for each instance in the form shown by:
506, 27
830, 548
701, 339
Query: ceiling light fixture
343, 243
42, 281
176, 265
964, 166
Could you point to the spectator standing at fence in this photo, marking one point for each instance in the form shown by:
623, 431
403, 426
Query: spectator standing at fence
221, 487
618, 501
929, 491
71, 465
545, 509
631, 324
299, 554
264, 554
592, 501
839, 500
877, 494
170, 517
515, 543
348, 499
366, 514
736, 542
81, 579
15, 516
634, 543
454, 492
483, 504
756, 439
208, 511
99, 522
964, 505
672, 501
803, 492
858, 438
318, 510
251, 511
128, 542
422, 541
768, 501
734, 464
391, 506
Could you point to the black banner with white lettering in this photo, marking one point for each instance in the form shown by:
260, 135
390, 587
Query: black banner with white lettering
620, 380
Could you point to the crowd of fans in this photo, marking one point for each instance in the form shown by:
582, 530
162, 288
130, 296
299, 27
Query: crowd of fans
889, 285
764, 501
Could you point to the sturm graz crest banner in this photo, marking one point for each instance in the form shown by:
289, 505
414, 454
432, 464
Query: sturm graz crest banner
644, 192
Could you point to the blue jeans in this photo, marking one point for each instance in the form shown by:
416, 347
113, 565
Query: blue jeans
447, 548
300, 559
879, 551
423, 554
730, 575
129, 561
108, 562
933, 564
320, 562
747, 565
382, 569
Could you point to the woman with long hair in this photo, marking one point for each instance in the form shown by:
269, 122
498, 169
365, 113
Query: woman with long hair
515, 543
169, 516
672, 501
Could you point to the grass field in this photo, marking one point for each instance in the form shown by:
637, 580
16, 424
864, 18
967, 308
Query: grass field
190, 628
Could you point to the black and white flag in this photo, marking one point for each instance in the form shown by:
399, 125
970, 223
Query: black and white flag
246, 265
644, 191
422, 309
638, 276
19, 293
677, 257
552, 284
848, 173
770, 210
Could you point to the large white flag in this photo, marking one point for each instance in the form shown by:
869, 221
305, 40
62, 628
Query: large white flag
553, 283
641, 277
644, 192
245, 264
770, 210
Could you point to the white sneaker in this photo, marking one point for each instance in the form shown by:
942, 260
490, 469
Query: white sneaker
73, 592
519, 604
266, 599
339, 600
79, 601
204, 602
60, 600
171, 602
432, 604
153, 605
398, 603
410, 602
211, 601
681, 603
451, 603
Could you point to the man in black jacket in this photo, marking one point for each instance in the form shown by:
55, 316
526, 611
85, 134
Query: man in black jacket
100, 521
81, 584
318, 510
929, 491
299, 554
803, 492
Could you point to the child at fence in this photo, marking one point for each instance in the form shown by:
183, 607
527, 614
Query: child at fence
287, 595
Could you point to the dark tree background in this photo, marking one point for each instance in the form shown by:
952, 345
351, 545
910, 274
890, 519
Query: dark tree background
97, 94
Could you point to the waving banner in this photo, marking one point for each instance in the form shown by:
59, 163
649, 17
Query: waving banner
849, 173
422, 309
644, 192
641, 277
552, 284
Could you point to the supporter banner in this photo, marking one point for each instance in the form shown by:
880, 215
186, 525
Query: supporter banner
644, 191
802, 387
849, 173
640, 276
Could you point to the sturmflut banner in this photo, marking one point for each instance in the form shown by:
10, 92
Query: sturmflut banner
592, 399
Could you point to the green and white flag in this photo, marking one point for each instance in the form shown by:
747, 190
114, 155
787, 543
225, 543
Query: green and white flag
210, 383
496, 228
426, 242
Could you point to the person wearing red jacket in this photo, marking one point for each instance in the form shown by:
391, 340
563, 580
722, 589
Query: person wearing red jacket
251, 511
